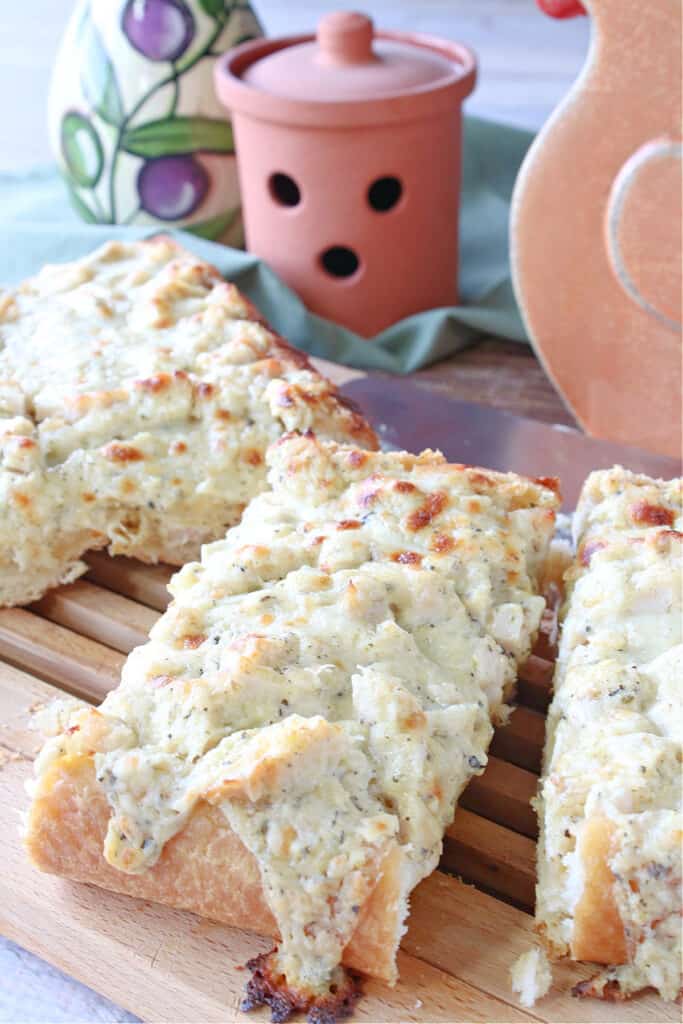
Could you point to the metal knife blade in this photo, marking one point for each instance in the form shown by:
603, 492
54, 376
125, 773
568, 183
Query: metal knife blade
409, 415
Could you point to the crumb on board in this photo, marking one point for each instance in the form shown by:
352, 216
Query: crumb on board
531, 976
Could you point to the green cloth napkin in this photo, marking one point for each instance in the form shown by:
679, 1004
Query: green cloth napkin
38, 226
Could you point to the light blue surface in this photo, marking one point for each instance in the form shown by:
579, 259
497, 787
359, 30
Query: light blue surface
33, 992
38, 226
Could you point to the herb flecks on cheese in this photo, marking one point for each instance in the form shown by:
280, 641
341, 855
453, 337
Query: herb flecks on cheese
327, 676
139, 392
612, 773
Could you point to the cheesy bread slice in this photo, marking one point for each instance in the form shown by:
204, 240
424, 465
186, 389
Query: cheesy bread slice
609, 856
286, 751
139, 392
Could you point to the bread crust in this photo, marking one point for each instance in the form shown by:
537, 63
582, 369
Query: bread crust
609, 805
598, 933
205, 868
333, 735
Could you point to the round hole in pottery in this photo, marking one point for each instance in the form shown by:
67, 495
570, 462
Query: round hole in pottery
284, 189
384, 193
340, 261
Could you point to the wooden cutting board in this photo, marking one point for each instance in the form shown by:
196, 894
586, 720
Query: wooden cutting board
469, 920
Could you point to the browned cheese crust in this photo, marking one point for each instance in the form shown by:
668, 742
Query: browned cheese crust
139, 392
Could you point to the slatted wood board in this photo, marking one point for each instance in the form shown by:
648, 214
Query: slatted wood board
469, 921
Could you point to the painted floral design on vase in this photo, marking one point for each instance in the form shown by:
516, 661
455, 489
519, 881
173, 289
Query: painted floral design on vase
136, 128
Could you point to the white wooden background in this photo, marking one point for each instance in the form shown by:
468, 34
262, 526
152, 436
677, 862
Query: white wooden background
527, 59
527, 62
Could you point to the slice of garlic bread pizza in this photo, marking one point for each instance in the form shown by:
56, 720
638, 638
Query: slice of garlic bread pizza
138, 394
609, 866
286, 751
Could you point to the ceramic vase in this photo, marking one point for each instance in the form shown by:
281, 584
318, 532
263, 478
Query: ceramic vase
135, 126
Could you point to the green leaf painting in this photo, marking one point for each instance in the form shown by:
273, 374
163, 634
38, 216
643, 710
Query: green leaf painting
81, 207
170, 180
214, 8
81, 149
98, 78
175, 136
215, 227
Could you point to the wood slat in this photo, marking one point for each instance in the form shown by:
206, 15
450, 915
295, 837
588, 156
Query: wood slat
534, 687
144, 583
167, 965
502, 794
500, 860
99, 614
521, 741
76, 664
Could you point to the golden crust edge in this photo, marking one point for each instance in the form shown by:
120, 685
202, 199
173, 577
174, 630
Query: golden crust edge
598, 934
205, 868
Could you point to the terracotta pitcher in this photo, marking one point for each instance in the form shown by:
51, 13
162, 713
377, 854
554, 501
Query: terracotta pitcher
596, 228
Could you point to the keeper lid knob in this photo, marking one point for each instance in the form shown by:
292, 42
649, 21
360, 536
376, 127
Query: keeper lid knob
345, 37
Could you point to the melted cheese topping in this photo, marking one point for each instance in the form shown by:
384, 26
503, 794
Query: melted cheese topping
327, 675
614, 728
138, 395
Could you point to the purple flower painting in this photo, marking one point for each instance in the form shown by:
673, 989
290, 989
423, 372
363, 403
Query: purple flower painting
172, 180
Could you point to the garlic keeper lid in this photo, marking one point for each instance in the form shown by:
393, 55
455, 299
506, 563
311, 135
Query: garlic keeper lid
347, 62
349, 73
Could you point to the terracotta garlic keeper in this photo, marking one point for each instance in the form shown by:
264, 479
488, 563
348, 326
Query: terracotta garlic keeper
596, 228
348, 147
